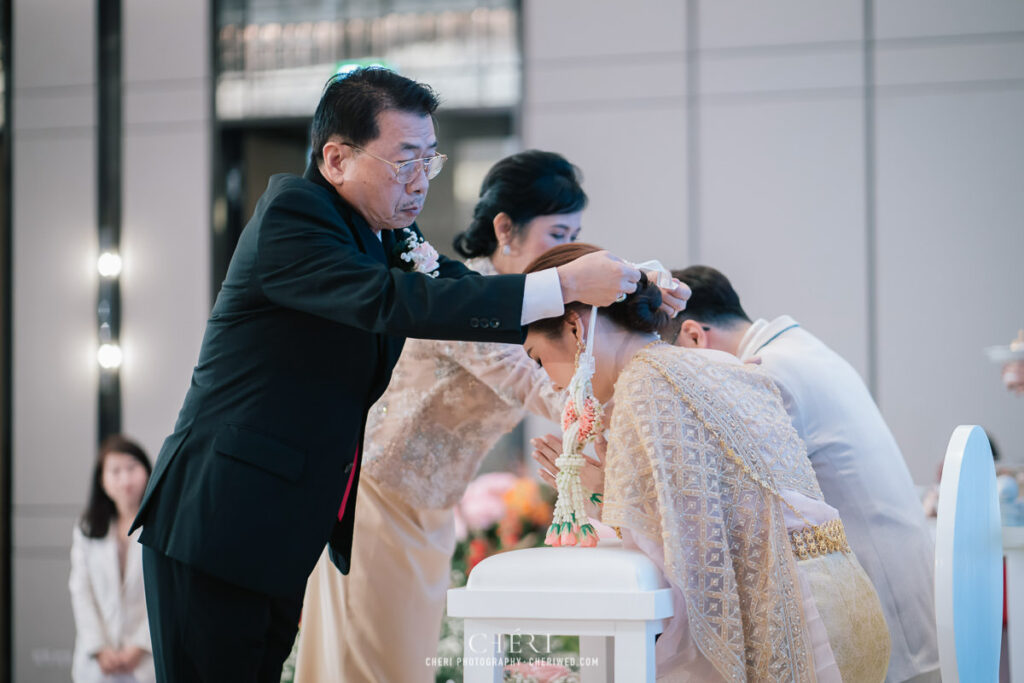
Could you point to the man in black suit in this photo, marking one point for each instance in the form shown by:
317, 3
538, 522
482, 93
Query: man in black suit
262, 468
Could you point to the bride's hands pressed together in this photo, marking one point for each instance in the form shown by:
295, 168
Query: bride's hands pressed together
548, 448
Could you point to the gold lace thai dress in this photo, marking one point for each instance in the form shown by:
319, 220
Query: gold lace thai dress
706, 475
446, 406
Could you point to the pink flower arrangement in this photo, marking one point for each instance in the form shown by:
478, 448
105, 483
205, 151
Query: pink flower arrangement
566, 529
568, 415
539, 672
499, 511
588, 421
561, 534
483, 502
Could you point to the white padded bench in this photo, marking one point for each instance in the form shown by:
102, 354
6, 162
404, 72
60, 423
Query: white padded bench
613, 599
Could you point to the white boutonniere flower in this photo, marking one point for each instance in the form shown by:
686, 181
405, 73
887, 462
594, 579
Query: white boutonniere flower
416, 255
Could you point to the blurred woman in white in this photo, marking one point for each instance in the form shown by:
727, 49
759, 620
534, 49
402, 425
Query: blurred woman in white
112, 633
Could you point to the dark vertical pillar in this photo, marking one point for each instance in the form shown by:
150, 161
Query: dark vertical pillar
220, 247
109, 185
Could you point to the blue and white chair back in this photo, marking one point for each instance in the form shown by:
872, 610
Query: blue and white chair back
969, 561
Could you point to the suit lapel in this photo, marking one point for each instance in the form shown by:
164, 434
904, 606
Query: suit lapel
387, 243
372, 246
388, 347
389, 344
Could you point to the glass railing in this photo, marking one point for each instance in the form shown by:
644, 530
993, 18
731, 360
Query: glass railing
273, 66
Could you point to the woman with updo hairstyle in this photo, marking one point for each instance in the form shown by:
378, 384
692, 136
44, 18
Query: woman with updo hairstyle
112, 642
448, 403
704, 473
529, 203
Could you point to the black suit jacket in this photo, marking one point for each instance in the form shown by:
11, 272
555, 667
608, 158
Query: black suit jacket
306, 329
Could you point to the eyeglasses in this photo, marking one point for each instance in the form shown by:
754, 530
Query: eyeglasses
406, 171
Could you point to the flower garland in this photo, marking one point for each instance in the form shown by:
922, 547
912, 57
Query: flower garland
581, 425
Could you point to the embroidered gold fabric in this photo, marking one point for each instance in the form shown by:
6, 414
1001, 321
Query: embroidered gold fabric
448, 403
820, 540
852, 614
668, 477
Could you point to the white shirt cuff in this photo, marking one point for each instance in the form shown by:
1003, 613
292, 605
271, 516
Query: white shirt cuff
542, 296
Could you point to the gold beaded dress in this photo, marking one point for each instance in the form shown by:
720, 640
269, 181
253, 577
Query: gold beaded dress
706, 475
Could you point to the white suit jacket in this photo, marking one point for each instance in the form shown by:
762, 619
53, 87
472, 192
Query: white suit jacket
108, 612
863, 475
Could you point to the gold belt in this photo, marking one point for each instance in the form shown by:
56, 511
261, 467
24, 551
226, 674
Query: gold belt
819, 540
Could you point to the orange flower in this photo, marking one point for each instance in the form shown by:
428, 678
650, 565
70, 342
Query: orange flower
568, 415
478, 552
510, 529
589, 420
524, 501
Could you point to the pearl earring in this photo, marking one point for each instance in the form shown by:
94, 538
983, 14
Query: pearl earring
506, 250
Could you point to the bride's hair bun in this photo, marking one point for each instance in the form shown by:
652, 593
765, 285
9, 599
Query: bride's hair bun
641, 309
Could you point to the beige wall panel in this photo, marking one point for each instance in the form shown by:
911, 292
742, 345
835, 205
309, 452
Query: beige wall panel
782, 213
950, 201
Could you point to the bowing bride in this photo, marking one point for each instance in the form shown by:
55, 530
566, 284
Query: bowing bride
705, 474
446, 406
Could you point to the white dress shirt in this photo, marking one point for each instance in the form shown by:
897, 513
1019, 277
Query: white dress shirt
542, 294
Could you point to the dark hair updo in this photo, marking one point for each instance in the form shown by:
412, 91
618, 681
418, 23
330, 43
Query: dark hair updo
639, 312
525, 185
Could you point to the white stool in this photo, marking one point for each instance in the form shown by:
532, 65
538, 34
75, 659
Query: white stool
968, 561
613, 599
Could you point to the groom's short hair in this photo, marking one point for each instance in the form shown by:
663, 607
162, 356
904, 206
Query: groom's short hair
351, 102
712, 301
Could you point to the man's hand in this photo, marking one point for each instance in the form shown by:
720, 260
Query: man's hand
673, 301
548, 448
597, 279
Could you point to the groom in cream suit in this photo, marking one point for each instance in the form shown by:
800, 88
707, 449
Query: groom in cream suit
855, 457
